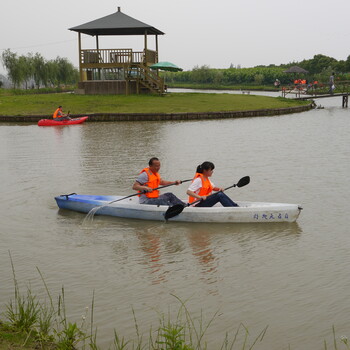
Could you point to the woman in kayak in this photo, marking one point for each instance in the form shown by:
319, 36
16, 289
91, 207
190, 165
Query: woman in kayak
201, 188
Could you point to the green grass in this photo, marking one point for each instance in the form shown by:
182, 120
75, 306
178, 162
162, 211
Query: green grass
45, 104
14, 339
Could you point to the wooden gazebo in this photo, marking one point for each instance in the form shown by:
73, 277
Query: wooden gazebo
122, 70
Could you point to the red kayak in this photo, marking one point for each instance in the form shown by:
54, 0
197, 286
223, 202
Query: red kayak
52, 122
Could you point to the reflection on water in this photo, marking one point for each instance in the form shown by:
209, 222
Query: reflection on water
282, 275
160, 244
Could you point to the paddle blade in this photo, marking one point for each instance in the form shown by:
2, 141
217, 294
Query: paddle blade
174, 211
243, 181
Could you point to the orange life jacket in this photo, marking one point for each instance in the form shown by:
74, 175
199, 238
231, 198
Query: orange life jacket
153, 182
55, 115
205, 190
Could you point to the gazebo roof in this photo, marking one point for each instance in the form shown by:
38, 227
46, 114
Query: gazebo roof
117, 23
296, 69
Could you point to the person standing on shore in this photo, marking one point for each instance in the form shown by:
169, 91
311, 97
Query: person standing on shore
331, 84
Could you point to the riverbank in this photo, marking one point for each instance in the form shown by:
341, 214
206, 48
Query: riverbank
173, 106
113, 117
211, 86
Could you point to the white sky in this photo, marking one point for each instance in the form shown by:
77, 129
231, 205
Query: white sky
245, 32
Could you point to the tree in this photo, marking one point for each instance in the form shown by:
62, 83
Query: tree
347, 64
26, 68
66, 72
39, 70
52, 72
11, 63
318, 64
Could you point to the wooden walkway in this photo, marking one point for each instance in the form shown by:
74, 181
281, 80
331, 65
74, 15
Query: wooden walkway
345, 97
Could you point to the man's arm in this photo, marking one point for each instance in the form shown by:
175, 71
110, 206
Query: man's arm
138, 187
139, 184
164, 182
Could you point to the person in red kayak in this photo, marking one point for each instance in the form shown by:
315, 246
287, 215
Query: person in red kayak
149, 179
59, 115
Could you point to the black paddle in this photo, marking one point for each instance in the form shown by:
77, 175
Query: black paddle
178, 208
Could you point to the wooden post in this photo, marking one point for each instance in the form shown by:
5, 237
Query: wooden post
98, 57
145, 59
345, 101
157, 49
80, 58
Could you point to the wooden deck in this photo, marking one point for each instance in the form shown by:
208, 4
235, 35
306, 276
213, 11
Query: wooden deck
344, 95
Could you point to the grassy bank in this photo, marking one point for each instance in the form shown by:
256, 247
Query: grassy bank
45, 104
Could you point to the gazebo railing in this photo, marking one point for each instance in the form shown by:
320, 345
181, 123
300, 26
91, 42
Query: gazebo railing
92, 58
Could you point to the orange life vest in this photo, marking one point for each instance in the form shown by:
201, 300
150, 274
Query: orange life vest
153, 182
205, 190
55, 115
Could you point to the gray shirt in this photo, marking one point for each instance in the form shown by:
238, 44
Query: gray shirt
142, 179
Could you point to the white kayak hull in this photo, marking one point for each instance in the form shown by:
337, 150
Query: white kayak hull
247, 212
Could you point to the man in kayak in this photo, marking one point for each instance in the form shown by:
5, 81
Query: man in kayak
148, 180
59, 115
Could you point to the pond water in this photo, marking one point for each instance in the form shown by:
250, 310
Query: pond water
293, 278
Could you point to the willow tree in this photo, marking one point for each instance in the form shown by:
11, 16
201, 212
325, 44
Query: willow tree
11, 63
39, 70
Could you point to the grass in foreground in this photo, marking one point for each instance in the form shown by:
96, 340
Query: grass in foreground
45, 104
32, 324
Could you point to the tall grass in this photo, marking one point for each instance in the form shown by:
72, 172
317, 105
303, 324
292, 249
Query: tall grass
45, 323
49, 326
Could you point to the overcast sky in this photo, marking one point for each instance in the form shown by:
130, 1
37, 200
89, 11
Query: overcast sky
214, 33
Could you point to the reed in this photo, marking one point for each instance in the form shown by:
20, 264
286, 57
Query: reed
48, 326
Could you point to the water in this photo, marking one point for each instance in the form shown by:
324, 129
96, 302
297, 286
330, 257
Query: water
292, 278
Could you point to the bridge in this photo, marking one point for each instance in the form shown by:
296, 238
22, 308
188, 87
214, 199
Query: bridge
301, 93
344, 95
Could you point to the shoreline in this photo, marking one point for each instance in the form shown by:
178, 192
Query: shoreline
121, 117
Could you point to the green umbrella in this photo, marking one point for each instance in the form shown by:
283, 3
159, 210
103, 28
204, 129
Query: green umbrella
168, 66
